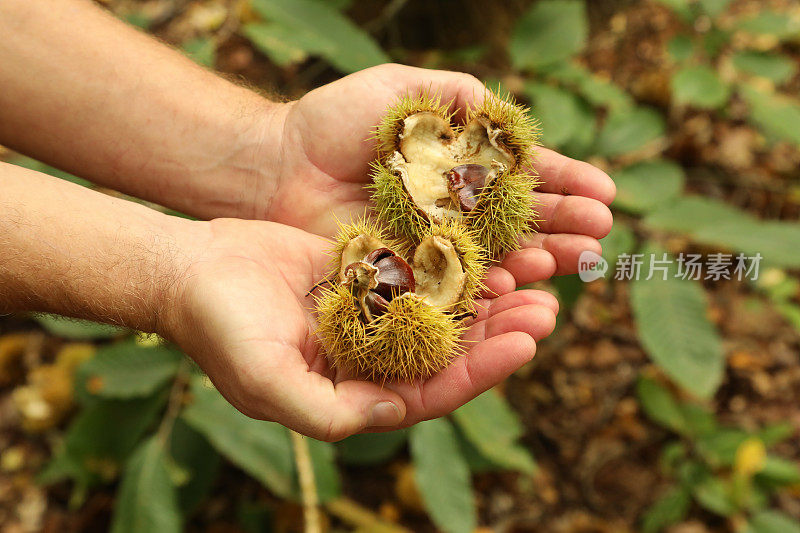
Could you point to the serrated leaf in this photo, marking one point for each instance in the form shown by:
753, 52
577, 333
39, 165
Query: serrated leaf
128, 370
147, 500
549, 32
714, 7
672, 323
75, 329
559, 112
620, 240
262, 449
669, 509
699, 86
202, 51
713, 494
779, 471
442, 476
194, 454
282, 45
775, 67
629, 130
777, 115
766, 22
597, 91
336, 38
716, 223
371, 448
490, 424
644, 186
680, 48
659, 405
772, 522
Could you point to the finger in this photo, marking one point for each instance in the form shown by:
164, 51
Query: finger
564, 175
487, 308
529, 265
565, 248
537, 321
573, 214
487, 364
498, 281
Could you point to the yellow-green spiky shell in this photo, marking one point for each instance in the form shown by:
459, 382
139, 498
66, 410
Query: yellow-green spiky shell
394, 205
411, 341
505, 212
473, 258
521, 132
388, 131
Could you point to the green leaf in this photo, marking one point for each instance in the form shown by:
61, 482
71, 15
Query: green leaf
778, 471
326, 474
680, 7
194, 454
628, 130
558, 111
621, 240
777, 68
75, 329
766, 22
490, 424
594, 89
775, 433
127, 370
100, 438
371, 448
672, 322
775, 114
713, 494
669, 509
699, 86
719, 448
680, 48
202, 50
283, 45
772, 522
442, 476
716, 223
549, 32
659, 405
147, 500
699, 420
714, 7
644, 186
327, 32
262, 449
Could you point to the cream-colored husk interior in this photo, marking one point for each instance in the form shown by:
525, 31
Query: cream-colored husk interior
438, 272
356, 250
429, 149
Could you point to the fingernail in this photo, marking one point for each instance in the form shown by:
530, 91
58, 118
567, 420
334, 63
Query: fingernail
384, 414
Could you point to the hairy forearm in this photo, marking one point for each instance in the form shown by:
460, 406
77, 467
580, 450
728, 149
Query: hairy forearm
76, 252
87, 93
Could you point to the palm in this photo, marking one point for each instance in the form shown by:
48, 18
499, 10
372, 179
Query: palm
250, 291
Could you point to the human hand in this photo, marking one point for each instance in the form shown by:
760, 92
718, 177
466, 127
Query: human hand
326, 153
241, 311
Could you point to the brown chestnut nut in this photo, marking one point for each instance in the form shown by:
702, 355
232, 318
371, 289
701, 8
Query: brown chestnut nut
465, 183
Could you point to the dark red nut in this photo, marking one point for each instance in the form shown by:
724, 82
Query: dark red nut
465, 183
394, 277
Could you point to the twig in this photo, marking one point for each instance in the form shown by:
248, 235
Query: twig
174, 402
308, 486
360, 517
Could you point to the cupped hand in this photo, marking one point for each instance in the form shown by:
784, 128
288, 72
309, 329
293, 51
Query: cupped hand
241, 310
326, 150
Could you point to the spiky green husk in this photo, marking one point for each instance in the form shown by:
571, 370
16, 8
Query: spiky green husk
348, 232
504, 213
473, 257
394, 205
411, 341
387, 134
521, 132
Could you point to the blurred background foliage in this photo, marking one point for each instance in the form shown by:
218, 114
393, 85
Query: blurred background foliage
656, 406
